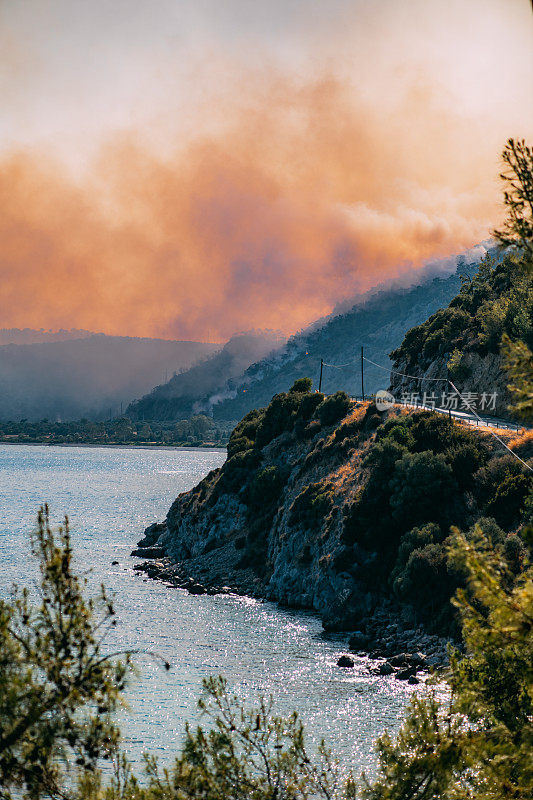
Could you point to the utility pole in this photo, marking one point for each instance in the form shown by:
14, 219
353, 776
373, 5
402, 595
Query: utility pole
448, 385
320, 381
362, 374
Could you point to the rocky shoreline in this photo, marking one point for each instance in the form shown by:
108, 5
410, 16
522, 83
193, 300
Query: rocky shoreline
304, 513
387, 636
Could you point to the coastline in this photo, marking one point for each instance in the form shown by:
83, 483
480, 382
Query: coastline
116, 445
386, 636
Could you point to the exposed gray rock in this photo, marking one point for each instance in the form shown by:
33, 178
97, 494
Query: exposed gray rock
149, 552
152, 534
405, 674
400, 660
346, 661
196, 588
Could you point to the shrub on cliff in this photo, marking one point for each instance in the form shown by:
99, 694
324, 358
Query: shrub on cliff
422, 488
413, 540
312, 504
279, 417
425, 581
308, 405
244, 434
333, 408
265, 487
235, 473
509, 498
464, 461
301, 386
239, 444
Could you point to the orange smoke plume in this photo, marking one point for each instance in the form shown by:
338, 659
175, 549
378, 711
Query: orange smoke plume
291, 203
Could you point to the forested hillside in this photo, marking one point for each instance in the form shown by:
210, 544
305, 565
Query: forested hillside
378, 321
464, 340
195, 390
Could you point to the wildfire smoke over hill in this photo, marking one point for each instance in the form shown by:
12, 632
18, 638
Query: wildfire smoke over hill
261, 202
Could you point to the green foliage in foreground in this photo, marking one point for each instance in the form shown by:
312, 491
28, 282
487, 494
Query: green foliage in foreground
58, 689
479, 745
58, 692
245, 754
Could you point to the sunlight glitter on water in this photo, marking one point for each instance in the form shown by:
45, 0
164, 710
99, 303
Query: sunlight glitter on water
110, 496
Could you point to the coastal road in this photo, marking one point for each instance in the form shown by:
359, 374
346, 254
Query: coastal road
461, 416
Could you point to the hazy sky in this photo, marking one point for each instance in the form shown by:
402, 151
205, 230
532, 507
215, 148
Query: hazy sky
179, 168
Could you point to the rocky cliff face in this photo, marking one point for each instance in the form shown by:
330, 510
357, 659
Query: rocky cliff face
212, 534
326, 504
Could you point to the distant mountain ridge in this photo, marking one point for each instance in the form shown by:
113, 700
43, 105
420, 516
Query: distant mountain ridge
33, 336
89, 376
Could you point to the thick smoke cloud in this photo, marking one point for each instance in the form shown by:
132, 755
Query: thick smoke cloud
238, 165
300, 195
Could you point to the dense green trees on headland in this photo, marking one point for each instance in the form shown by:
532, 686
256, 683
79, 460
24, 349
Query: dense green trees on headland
496, 301
408, 477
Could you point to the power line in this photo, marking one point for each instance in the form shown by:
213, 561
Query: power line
474, 412
340, 366
403, 374
467, 404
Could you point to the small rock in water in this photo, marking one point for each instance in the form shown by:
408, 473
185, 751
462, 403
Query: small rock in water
413, 680
345, 661
113, 563
385, 668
